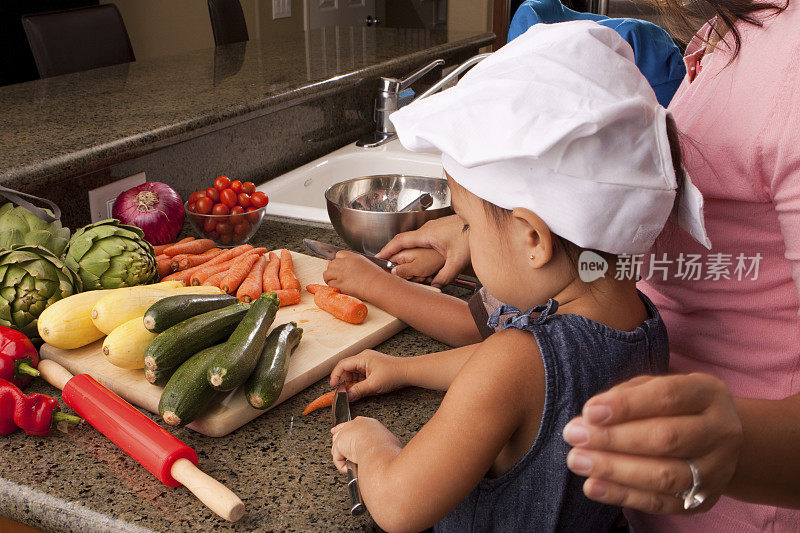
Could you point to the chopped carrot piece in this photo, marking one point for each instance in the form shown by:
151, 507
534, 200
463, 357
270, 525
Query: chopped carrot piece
288, 297
326, 400
341, 306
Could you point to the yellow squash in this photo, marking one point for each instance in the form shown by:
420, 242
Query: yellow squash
125, 345
68, 322
124, 304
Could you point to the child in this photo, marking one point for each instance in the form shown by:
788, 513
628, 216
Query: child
552, 146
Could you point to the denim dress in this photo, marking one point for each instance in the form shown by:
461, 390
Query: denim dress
581, 358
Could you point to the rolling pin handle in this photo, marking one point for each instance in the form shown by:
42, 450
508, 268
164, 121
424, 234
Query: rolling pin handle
53, 373
208, 490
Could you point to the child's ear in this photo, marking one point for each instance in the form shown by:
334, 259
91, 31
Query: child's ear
537, 238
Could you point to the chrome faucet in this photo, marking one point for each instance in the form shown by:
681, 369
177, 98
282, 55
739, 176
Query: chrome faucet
389, 94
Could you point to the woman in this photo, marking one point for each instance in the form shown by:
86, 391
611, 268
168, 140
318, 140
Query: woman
728, 422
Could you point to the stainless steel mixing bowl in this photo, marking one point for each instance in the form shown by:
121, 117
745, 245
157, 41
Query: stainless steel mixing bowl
364, 210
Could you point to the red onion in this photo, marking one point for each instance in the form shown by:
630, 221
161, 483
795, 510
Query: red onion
155, 208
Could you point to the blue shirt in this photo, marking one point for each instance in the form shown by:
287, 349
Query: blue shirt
656, 55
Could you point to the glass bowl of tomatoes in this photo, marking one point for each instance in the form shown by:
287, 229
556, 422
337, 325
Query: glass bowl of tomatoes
229, 212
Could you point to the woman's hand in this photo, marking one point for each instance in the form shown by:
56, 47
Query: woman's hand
417, 264
446, 236
633, 442
370, 373
353, 274
361, 434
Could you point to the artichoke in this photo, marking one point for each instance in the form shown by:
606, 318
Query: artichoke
108, 255
31, 278
20, 226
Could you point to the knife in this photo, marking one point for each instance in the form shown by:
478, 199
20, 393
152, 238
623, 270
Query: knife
341, 414
328, 251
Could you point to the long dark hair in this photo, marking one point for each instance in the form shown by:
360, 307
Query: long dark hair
683, 18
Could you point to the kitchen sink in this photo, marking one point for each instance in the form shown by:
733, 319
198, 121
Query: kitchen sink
300, 193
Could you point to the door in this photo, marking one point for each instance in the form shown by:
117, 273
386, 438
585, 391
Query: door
322, 13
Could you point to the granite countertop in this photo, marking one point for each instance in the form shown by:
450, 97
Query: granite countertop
279, 464
83, 121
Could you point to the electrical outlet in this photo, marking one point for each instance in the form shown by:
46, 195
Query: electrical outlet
101, 199
281, 9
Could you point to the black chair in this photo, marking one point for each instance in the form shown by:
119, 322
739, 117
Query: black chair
227, 21
77, 39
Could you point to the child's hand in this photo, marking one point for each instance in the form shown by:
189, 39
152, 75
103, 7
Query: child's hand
362, 434
370, 373
417, 264
352, 274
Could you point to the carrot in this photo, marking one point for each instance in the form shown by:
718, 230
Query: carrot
159, 248
314, 287
326, 400
288, 297
216, 279
272, 280
200, 276
221, 258
184, 261
286, 272
238, 271
251, 287
341, 306
197, 246
164, 265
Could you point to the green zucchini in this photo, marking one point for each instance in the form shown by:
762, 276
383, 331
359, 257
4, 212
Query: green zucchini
174, 346
231, 367
187, 394
158, 377
264, 385
169, 311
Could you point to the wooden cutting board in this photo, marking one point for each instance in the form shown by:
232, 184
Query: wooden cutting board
325, 341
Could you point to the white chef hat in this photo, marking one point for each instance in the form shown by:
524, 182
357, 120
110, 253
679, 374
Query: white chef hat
560, 121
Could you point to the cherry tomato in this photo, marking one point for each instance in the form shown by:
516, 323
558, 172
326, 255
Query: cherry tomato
241, 228
212, 235
197, 219
220, 209
252, 214
259, 199
236, 214
192, 207
204, 205
224, 228
236, 186
213, 193
195, 196
249, 187
228, 197
209, 225
226, 239
244, 199
222, 183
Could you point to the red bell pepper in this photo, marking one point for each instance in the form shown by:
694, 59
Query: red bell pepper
35, 413
18, 357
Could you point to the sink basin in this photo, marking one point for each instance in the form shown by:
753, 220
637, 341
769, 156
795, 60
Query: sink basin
300, 193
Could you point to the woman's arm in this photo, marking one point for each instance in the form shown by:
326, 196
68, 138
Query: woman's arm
443, 317
410, 488
768, 470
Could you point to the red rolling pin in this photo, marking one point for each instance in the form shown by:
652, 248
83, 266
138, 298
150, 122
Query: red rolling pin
152, 446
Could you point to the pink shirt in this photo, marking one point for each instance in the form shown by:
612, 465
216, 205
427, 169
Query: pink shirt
743, 120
